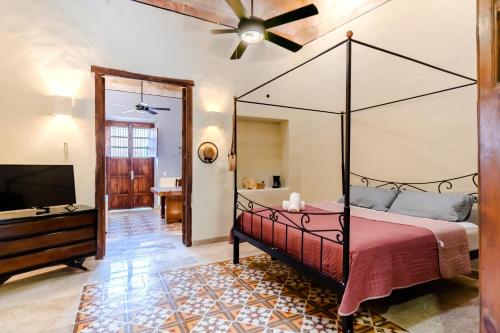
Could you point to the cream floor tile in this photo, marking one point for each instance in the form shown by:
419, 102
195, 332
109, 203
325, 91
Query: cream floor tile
39, 316
439, 307
62, 329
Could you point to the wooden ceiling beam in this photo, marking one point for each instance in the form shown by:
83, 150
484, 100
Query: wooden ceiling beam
332, 13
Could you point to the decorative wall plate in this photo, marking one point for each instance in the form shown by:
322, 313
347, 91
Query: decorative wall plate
208, 152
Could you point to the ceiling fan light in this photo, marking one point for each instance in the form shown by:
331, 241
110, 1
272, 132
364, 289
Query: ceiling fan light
252, 30
252, 36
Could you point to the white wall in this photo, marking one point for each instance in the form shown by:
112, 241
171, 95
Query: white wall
47, 47
421, 140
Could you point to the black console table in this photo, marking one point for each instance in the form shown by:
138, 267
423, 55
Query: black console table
29, 241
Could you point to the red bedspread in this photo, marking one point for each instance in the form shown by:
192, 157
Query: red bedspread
384, 256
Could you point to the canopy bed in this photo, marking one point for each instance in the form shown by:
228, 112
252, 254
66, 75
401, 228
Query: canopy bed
347, 247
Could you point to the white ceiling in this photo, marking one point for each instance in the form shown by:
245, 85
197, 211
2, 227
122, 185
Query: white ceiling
114, 112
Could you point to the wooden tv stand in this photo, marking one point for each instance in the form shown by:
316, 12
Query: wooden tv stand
32, 241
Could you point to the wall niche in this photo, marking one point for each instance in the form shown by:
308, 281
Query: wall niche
262, 150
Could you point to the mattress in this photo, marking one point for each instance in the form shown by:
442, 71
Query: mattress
472, 231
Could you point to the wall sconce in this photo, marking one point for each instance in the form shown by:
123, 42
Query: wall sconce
62, 106
214, 119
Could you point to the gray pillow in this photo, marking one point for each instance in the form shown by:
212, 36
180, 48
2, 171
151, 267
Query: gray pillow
474, 215
441, 206
371, 197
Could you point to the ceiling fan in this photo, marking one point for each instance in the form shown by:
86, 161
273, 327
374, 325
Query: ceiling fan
142, 107
252, 29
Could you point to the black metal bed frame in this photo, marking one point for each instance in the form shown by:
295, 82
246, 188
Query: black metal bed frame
342, 234
446, 184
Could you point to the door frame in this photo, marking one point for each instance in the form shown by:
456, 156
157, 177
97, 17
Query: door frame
489, 156
100, 134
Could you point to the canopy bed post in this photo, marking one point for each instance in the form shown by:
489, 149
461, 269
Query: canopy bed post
342, 151
236, 239
347, 321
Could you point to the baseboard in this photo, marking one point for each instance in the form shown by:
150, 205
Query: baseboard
210, 240
474, 274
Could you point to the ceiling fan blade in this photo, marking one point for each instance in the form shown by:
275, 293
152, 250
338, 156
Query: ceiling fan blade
237, 8
151, 111
240, 49
130, 111
223, 31
291, 16
283, 42
159, 109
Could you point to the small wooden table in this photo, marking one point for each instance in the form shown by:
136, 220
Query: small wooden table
171, 201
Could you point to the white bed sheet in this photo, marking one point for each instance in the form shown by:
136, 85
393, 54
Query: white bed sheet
472, 231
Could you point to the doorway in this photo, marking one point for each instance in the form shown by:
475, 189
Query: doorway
131, 176
130, 164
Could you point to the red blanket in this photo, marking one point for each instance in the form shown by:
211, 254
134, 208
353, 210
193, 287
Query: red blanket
383, 255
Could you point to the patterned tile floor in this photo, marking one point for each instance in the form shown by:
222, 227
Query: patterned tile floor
258, 295
138, 222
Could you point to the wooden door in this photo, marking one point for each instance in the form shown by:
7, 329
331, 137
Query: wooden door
142, 182
118, 183
489, 162
129, 165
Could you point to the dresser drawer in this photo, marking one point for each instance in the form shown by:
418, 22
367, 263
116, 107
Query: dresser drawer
47, 241
17, 230
43, 258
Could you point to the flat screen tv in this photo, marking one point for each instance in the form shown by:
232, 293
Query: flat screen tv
36, 186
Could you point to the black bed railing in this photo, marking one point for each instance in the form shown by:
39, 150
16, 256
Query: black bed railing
289, 221
439, 185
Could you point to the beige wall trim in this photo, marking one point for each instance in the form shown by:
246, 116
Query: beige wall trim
210, 240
